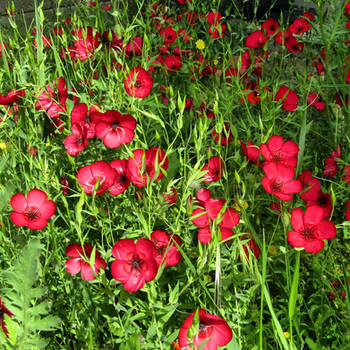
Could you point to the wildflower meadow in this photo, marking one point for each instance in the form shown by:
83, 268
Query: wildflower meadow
175, 176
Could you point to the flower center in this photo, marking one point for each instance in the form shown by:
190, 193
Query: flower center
202, 327
87, 120
308, 233
161, 249
115, 125
138, 84
79, 141
322, 201
136, 263
276, 185
277, 157
31, 214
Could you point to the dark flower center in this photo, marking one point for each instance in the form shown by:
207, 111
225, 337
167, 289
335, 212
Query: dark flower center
122, 179
276, 185
308, 233
276, 157
322, 201
79, 141
136, 262
138, 84
161, 249
115, 125
202, 327
31, 214
87, 120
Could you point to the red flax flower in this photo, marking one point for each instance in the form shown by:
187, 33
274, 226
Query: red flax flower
251, 151
100, 172
121, 182
324, 201
134, 47
12, 97
76, 142
269, 27
138, 83
280, 152
85, 45
310, 229
225, 137
33, 211
278, 181
288, 97
213, 169
115, 129
310, 184
167, 251
4, 310
314, 99
81, 115
54, 103
213, 332
143, 164
135, 263
78, 263
256, 40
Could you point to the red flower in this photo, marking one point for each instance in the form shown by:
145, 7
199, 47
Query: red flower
135, 263
299, 26
171, 196
293, 45
121, 182
269, 27
138, 83
251, 151
324, 201
249, 246
115, 129
288, 97
33, 211
51, 102
346, 177
217, 31
169, 34
4, 310
134, 47
142, 166
213, 169
112, 41
76, 142
172, 63
81, 115
167, 251
311, 184
85, 47
280, 152
310, 229
347, 211
79, 261
100, 172
225, 137
315, 100
278, 181
12, 97
256, 40
213, 332
330, 167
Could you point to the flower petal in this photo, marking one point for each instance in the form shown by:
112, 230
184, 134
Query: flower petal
313, 215
19, 202
86, 272
122, 249
36, 198
295, 239
297, 219
73, 265
326, 229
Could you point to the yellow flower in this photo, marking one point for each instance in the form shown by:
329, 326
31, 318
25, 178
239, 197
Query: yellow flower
216, 62
245, 205
2, 145
273, 250
287, 335
200, 44
48, 144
